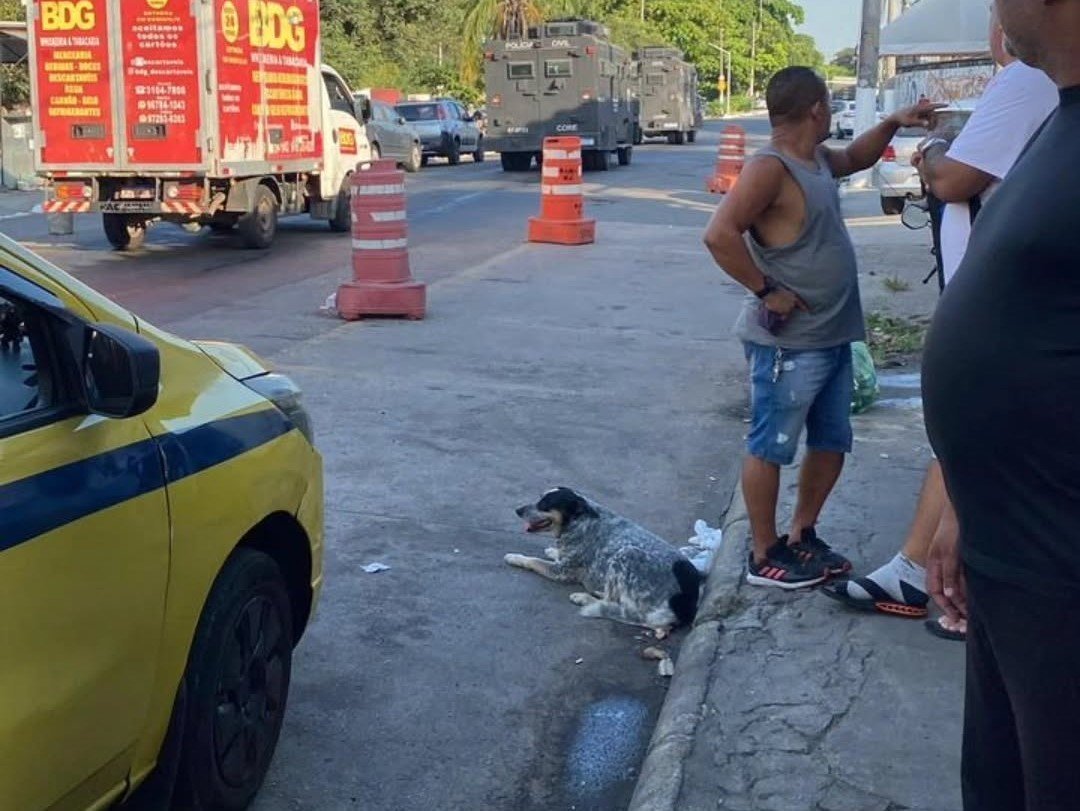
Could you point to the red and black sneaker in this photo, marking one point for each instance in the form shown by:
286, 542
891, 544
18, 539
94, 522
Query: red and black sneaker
811, 548
784, 569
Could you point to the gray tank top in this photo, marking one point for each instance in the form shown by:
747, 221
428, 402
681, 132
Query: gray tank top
819, 266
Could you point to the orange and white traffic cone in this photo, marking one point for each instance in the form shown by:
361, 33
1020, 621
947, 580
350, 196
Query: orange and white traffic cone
562, 203
382, 283
729, 160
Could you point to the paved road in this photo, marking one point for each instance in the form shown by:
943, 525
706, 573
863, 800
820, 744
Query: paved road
450, 682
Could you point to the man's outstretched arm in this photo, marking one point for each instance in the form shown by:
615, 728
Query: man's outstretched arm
866, 150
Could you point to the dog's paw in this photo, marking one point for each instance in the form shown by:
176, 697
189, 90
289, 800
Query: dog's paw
515, 560
661, 633
582, 598
552, 553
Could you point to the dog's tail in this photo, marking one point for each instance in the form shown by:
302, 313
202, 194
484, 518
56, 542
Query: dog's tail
685, 603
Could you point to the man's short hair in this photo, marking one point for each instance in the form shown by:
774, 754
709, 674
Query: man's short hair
792, 92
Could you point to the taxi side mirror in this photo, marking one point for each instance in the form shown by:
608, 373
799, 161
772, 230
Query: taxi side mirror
365, 109
120, 372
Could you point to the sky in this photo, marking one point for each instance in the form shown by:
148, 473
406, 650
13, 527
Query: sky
833, 23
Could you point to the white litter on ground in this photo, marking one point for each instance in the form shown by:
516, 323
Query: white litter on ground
375, 568
701, 548
330, 305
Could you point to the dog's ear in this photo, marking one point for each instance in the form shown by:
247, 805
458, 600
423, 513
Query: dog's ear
564, 501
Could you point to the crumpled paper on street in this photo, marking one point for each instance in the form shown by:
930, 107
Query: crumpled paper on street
701, 548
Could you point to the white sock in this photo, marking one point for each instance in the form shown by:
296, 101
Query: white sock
889, 577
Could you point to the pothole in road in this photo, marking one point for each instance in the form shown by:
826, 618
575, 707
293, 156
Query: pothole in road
610, 738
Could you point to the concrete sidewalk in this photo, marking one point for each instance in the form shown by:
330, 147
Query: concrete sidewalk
789, 702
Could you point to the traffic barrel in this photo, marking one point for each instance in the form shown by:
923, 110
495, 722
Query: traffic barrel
382, 284
562, 203
729, 160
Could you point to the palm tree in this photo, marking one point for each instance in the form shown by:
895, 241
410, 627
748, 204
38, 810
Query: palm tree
502, 19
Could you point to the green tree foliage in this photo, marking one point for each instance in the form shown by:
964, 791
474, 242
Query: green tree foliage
14, 78
846, 61
692, 25
436, 47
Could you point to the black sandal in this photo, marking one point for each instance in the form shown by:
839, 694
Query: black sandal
935, 627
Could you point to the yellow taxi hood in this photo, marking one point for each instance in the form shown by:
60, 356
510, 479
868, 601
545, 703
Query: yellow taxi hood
235, 360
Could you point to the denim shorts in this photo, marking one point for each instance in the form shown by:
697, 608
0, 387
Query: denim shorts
796, 388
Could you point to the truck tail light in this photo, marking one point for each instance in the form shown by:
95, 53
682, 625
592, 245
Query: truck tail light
183, 191
586, 95
72, 191
489, 56
889, 155
590, 50
496, 101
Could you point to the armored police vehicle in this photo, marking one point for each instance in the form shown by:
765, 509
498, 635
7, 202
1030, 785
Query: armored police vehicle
563, 78
668, 92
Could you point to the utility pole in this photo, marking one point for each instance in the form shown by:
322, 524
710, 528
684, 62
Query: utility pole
866, 87
753, 45
893, 9
643, 10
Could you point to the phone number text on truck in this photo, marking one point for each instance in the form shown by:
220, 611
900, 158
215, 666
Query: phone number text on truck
212, 113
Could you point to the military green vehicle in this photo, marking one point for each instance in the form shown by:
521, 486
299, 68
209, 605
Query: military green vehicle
564, 77
668, 92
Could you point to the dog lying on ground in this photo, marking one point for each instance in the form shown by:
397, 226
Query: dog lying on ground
630, 575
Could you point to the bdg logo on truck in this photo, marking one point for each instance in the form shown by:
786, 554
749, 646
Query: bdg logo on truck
347, 141
272, 25
68, 15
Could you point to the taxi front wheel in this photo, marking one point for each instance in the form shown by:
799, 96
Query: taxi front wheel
237, 683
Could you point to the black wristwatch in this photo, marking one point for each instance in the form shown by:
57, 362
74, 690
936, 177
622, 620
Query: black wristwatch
770, 287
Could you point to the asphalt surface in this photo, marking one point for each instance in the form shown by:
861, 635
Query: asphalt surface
451, 681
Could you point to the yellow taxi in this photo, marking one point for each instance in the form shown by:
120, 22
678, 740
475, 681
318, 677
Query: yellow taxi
161, 530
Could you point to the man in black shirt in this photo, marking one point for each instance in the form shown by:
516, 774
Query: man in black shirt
1001, 383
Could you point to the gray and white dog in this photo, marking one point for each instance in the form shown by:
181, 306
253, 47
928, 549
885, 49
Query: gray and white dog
630, 575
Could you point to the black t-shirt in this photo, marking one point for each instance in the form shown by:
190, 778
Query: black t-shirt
1001, 372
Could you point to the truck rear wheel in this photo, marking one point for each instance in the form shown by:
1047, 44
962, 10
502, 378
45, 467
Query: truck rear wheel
626, 154
676, 138
691, 136
259, 226
125, 232
595, 160
516, 161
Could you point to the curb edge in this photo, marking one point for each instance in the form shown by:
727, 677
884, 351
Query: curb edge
660, 779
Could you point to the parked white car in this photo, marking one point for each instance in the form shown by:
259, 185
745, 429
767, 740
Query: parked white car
894, 176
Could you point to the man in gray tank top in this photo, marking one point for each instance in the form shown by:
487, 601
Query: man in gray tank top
780, 233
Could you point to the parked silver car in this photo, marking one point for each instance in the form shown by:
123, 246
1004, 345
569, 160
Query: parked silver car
843, 121
446, 129
391, 136
894, 176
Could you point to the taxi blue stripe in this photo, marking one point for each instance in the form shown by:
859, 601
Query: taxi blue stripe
48, 500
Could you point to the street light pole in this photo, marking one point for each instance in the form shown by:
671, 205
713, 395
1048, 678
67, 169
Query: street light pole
725, 53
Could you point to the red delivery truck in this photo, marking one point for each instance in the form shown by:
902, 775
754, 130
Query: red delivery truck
213, 113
